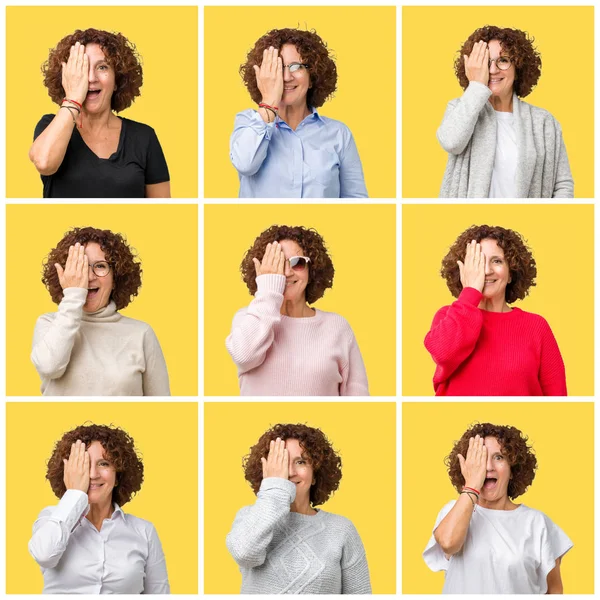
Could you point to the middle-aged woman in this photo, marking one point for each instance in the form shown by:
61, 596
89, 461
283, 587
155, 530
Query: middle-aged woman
286, 148
482, 346
85, 150
485, 542
282, 346
499, 146
87, 348
282, 543
86, 544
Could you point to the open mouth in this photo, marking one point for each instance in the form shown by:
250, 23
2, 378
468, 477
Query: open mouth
288, 283
92, 94
490, 483
95, 486
92, 292
490, 281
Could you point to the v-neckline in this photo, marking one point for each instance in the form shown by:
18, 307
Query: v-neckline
119, 144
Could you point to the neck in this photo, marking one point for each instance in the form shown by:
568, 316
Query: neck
502, 103
296, 308
494, 305
96, 122
293, 115
302, 506
504, 503
99, 512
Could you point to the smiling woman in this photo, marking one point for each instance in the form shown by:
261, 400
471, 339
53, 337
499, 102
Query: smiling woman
87, 347
485, 542
94, 470
85, 150
482, 346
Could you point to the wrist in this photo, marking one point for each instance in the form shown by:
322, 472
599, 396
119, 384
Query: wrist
271, 101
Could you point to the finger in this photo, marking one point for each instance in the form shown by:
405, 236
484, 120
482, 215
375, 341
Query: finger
470, 449
277, 255
256, 266
477, 254
281, 264
59, 270
286, 463
460, 269
264, 467
256, 71
263, 64
461, 462
271, 450
86, 461
266, 255
279, 67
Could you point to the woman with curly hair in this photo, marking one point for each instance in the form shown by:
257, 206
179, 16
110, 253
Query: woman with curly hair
87, 347
282, 543
286, 149
282, 346
499, 146
86, 151
482, 346
485, 542
87, 544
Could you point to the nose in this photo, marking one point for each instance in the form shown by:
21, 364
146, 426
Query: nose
91, 73
93, 471
292, 468
287, 75
489, 466
488, 266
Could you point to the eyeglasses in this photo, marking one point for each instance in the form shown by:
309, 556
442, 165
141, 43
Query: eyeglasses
293, 67
100, 268
502, 62
298, 263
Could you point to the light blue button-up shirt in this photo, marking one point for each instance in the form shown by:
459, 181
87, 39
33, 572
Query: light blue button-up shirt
317, 160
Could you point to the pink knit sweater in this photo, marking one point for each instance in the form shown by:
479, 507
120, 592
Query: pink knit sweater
278, 355
483, 353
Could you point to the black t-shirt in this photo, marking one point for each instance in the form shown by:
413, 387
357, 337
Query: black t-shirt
138, 161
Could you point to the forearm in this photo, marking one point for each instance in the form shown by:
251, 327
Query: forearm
53, 339
252, 530
460, 119
48, 150
452, 531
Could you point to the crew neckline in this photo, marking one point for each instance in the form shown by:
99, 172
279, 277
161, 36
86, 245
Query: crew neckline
316, 317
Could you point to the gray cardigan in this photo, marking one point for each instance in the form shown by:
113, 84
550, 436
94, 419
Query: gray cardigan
468, 134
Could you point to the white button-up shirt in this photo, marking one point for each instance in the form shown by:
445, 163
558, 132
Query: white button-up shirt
124, 557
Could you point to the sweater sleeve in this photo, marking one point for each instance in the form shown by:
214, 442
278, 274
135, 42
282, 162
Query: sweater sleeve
454, 334
252, 529
354, 375
461, 117
54, 526
552, 368
563, 185
54, 335
355, 570
249, 142
155, 379
252, 330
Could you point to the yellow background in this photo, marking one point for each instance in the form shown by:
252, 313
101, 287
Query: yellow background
562, 435
363, 40
367, 493
169, 96
166, 239
361, 240
431, 39
562, 240
169, 494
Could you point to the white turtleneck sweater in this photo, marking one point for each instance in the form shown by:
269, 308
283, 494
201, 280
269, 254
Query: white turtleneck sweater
277, 355
96, 354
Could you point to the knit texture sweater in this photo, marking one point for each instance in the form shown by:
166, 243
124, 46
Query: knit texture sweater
483, 353
277, 355
96, 354
468, 133
282, 552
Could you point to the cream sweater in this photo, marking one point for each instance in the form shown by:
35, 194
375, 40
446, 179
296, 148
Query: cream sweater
277, 355
282, 552
96, 354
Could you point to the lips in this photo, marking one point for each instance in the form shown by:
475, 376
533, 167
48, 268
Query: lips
490, 483
92, 94
95, 486
92, 292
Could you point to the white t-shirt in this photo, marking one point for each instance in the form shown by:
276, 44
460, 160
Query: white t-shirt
505, 552
505, 163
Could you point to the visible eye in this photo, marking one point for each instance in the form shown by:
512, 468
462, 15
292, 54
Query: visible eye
499, 457
498, 261
103, 67
503, 60
300, 462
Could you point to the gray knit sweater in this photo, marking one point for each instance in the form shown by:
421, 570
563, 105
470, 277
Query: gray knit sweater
468, 134
282, 552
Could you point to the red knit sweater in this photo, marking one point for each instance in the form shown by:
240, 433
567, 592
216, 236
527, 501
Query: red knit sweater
483, 353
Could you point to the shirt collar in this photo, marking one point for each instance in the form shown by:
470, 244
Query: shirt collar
314, 116
118, 510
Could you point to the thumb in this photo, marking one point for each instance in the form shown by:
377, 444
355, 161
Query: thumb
264, 466
461, 461
256, 266
59, 270
256, 70
65, 462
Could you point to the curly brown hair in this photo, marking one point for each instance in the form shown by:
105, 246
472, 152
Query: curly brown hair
516, 253
519, 454
519, 47
120, 53
127, 272
314, 52
321, 271
119, 449
325, 461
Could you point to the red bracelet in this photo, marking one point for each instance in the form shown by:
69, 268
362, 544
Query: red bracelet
73, 101
263, 105
472, 489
